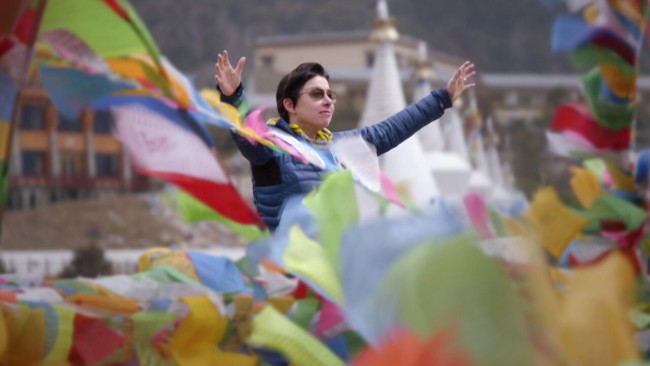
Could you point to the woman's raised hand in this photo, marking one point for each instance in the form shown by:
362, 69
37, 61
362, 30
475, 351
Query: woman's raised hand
226, 77
458, 84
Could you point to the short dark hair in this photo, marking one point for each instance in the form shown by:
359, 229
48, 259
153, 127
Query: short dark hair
292, 83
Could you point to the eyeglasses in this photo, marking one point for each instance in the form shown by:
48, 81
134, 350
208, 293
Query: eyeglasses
317, 94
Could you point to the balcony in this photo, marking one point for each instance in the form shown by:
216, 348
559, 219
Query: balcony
137, 183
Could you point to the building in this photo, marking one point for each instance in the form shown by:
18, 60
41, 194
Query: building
529, 97
348, 56
55, 158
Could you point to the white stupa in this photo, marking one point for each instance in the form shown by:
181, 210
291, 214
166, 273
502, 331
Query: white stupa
504, 192
450, 171
453, 132
406, 165
431, 135
494, 163
479, 181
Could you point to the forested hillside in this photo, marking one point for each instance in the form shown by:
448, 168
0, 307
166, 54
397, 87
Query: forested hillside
499, 35
505, 36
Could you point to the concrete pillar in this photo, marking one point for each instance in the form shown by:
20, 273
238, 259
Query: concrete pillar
127, 172
16, 158
90, 146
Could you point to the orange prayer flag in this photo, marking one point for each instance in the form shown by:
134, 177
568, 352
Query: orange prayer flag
407, 349
624, 86
116, 304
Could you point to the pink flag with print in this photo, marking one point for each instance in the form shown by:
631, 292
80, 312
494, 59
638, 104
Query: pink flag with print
159, 147
477, 212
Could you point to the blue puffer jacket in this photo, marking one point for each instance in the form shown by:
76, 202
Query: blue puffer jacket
278, 176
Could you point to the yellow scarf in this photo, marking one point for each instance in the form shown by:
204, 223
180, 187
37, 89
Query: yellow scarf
324, 135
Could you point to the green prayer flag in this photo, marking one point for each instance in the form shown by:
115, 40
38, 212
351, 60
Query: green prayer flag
100, 27
608, 115
612, 208
193, 210
592, 55
453, 284
305, 311
166, 274
334, 205
147, 324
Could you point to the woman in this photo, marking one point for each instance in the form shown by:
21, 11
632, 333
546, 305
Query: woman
306, 104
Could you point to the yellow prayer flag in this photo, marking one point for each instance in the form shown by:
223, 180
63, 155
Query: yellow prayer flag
26, 331
145, 260
591, 13
624, 86
4, 336
584, 320
585, 186
196, 341
594, 328
622, 180
132, 67
308, 258
628, 9
179, 260
5, 129
282, 303
229, 112
275, 331
65, 330
555, 224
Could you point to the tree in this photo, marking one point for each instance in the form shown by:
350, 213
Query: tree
88, 262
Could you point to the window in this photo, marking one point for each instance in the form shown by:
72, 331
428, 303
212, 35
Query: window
103, 122
511, 99
72, 164
370, 59
32, 117
33, 163
107, 165
267, 61
69, 125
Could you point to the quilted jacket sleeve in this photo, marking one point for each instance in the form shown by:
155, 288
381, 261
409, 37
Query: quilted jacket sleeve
397, 128
256, 154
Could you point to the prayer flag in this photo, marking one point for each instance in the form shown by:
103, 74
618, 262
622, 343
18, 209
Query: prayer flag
160, 148
193, 210
121, 34
273, 330
554, 223
576, 117
611, 116
585, 186
407, 349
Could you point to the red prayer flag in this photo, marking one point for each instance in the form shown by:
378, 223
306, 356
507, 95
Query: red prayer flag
93, 340
162, 148
577, 117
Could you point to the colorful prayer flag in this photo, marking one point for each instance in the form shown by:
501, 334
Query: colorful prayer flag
160, 148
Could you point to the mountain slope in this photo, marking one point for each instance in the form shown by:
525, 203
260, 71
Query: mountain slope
499, 35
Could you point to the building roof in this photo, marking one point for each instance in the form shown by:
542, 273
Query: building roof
542, 81
279, 40
325, 37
